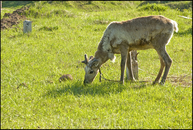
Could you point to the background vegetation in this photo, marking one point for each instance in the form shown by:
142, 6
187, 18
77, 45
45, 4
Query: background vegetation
62, 32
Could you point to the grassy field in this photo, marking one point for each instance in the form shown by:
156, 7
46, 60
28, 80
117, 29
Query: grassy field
62, 32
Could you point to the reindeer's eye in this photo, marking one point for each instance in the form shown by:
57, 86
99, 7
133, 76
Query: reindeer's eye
91, 71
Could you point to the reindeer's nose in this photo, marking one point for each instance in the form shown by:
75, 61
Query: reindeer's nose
85, 82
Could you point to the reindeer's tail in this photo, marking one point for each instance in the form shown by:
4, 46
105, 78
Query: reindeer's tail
175, 26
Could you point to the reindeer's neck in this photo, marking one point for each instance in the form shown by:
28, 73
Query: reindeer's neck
101, 56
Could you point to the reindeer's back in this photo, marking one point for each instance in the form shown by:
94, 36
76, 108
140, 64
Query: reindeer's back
140, 28
150, 22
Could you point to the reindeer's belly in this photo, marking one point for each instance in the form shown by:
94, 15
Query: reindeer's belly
140, 47
141, 44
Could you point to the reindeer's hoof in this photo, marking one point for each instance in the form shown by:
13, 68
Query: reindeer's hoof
121, 82
161, 83
155, 82
132, 81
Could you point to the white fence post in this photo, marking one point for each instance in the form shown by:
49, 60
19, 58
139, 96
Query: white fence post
27, 27
134, 65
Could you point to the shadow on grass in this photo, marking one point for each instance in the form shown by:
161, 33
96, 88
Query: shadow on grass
101, 89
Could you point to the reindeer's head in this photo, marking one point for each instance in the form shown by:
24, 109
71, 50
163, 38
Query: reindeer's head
91, 69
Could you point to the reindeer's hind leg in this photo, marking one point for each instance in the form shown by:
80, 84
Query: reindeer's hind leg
160, 71
159, 44
168, 63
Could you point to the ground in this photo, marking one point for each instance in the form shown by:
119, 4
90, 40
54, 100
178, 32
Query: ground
12, 19
9, 19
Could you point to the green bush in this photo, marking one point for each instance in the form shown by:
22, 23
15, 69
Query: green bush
153, 7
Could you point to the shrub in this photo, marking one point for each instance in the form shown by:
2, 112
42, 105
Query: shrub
153, 7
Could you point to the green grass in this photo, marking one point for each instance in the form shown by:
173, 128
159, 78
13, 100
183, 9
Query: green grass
62, 32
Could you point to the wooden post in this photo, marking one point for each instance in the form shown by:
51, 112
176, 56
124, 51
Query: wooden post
134, 65
27, 26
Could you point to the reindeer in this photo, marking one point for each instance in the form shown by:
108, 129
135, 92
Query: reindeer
151, 32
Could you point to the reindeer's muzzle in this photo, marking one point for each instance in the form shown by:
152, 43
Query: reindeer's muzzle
85, 82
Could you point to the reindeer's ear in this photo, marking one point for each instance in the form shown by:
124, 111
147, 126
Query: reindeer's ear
91, 57
95, 62
86, 59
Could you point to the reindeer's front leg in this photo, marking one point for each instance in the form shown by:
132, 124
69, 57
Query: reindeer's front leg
124, 52
129, 66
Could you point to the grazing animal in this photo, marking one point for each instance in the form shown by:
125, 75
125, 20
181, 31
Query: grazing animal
151, 32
